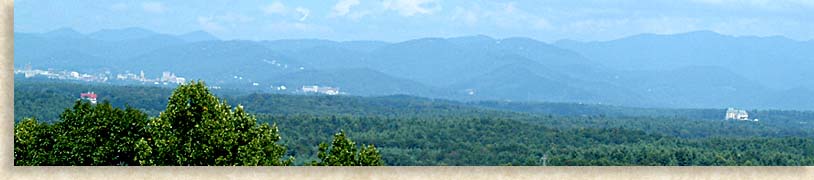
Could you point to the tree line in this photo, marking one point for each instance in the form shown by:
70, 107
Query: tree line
196, 128
418, 131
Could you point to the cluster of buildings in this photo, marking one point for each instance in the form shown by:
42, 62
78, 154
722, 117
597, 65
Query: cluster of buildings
738, 114
166, 77
62, 75
171, 78
321, 90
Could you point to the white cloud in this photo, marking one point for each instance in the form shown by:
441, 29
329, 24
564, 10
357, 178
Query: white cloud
275, 8
343, 7
153, 7
303, 13
280, 9
412, 7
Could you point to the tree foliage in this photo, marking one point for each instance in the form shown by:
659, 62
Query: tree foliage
195, 129
199, 129
86, 135
33, 144
342, 152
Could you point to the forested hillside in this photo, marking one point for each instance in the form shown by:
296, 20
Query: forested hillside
411, 130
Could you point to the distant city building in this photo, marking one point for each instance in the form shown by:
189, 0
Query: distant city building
329, 90
322, 90
90, 96
471, 92
737, 114
170, 77
308, 89
28, 72
166, 76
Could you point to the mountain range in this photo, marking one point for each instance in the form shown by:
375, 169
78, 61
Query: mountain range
690, 70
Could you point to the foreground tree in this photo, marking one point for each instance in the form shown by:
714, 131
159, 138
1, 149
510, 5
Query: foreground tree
342, 152
33, 143
199, 129
98, 135
85, 135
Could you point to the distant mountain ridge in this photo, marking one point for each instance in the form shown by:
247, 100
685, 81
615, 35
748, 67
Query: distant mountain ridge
777, 62
688, 70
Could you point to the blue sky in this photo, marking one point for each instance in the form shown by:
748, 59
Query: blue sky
397, 20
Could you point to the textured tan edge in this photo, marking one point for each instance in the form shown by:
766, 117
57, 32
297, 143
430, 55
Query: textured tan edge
6, 86
8, 171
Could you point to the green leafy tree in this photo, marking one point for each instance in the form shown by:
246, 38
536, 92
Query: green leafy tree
197, 128
98, 135
342, 152
33, 143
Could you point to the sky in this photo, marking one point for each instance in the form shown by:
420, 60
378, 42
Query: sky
399, 20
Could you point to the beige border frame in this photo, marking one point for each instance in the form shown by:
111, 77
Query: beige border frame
8, 171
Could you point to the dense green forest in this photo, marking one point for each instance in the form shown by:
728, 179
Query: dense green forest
420, 131
196, 128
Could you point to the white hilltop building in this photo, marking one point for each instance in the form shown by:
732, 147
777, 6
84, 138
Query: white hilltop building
737, 114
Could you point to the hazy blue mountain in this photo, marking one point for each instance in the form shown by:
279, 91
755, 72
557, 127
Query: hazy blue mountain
518, 83
776, 62
216, 61
324, 54
72, 60
696, 86
434, 61
330, 57
196, 36
532, 49
798, 98
697, 69
31, 47
363, 46
356, 81
121, 34
549, 56
529, 81
63, 33
292, 45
